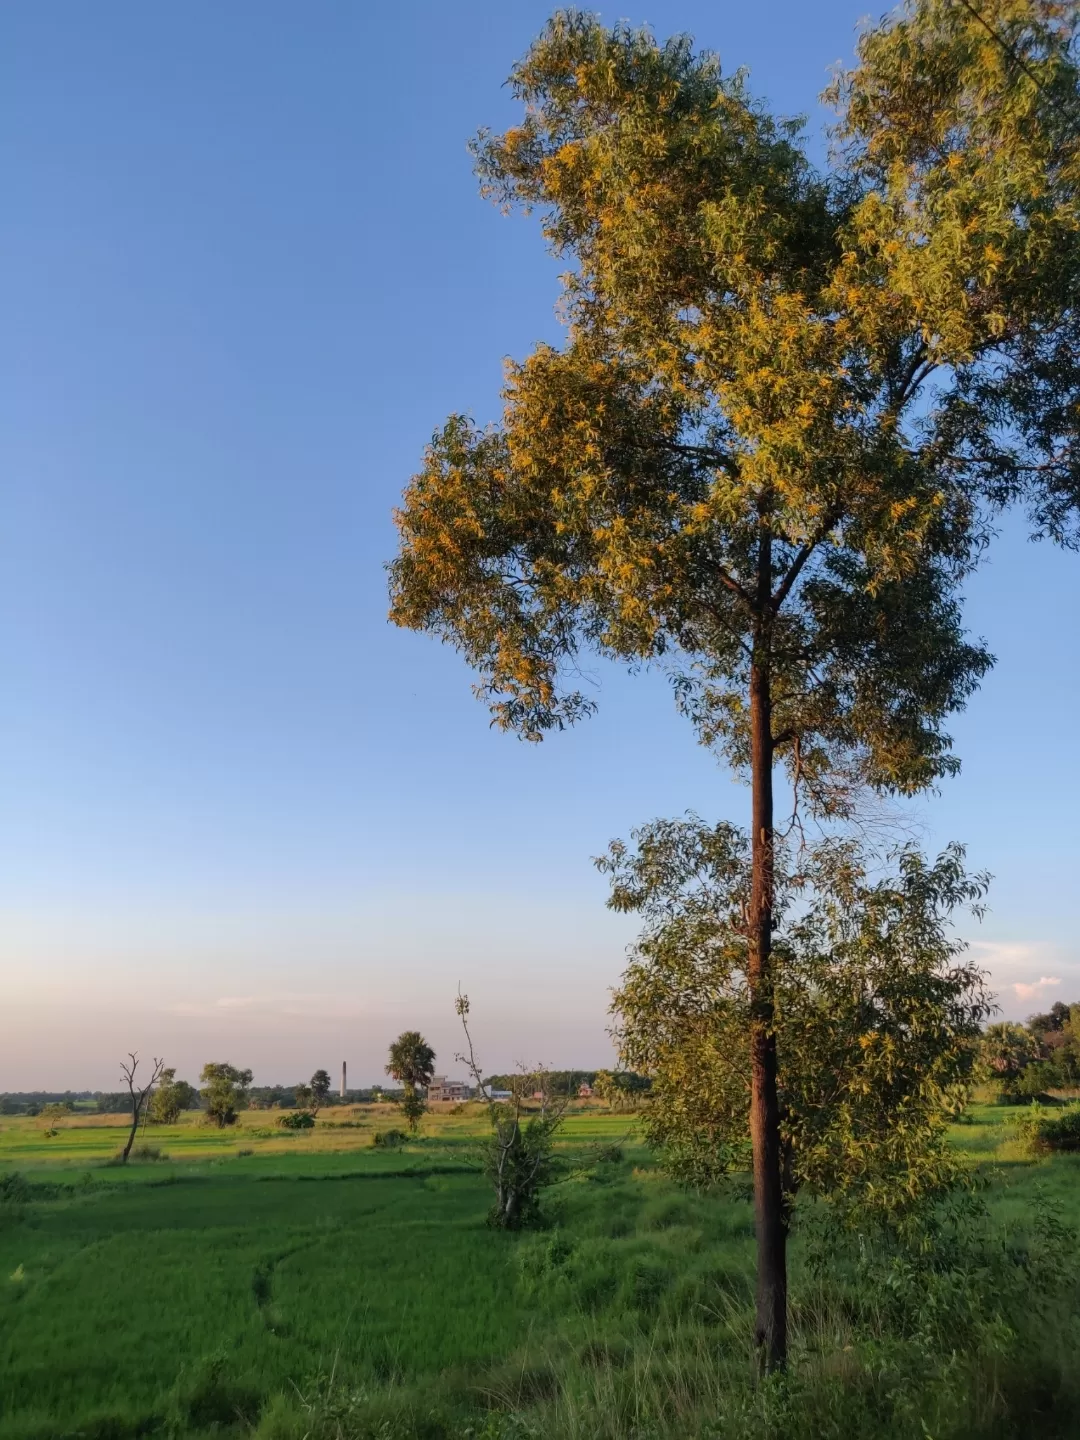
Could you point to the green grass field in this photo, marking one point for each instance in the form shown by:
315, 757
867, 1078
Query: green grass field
320, 1281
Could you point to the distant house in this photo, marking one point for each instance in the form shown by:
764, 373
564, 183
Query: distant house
443, 1089
585, 1092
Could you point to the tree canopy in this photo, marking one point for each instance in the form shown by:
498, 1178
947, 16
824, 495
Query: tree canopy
224, 1091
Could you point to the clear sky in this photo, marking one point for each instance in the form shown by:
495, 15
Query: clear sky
246, 273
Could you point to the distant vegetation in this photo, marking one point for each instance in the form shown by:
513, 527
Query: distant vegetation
1029, 1060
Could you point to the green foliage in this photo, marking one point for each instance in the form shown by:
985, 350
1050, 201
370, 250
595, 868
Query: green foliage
389, 1139
748, 343
519, 1160
622, 1090
320, 1086
146, 1151
170, 1098
1026, 1061
297, 1120
224, 1092
1043, 1130
876, 1013
412, 1062
561, 1081
413, 1107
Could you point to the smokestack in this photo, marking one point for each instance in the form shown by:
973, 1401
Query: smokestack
343, 1079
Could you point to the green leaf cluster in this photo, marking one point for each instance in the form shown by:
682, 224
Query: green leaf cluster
877, 1012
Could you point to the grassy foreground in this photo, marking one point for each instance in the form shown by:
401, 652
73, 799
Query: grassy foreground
286, 1285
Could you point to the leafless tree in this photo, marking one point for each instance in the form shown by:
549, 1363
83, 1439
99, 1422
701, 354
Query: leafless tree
139, 1095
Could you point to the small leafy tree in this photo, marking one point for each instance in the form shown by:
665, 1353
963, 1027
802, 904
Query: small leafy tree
170, 1098
877, 1013
1007, 1049
224, 1092
321, 1085
412, 1065
139, 1094
519, 1158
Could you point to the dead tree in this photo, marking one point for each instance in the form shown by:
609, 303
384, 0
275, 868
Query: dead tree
519, 1158
139, 1096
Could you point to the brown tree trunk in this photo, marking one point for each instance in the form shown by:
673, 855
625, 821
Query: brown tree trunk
136, 1106
770, 1218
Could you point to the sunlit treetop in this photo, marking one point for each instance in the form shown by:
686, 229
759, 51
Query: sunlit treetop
788, 401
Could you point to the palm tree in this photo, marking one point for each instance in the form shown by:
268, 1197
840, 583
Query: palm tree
412, 1063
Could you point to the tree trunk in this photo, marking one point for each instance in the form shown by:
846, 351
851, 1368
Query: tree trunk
135, 1108
770, 1219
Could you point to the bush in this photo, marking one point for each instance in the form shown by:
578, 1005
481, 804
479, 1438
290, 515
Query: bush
148, 1152
389, 1139
298, 1120
1043, 1130
609, 1155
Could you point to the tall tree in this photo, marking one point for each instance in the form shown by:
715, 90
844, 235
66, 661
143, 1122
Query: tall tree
412, 1064
762, 458
320, 1085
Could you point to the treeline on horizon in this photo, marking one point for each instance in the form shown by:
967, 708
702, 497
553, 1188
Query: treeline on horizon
115, 1102
1029, 1061
284, 1097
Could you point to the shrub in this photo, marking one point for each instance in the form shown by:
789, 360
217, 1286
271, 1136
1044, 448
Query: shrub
148, 1152
389, 1139
297, 1120
1042, 1130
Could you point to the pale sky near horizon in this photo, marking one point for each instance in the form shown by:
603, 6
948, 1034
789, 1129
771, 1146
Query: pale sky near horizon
247, 272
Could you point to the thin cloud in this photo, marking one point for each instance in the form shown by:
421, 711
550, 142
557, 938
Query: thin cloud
1036, 987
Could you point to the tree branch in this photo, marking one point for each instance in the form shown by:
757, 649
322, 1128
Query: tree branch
720, 458
783, 590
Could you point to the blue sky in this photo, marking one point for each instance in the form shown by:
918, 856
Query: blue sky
247, 272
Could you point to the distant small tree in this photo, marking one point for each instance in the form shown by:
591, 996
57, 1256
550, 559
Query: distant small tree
139, 1094
224, 1092
170, 1098
1052, 1023
303, 1098
604, 1086
1007, 1049
412, 1064
519, 1159
320, 1089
